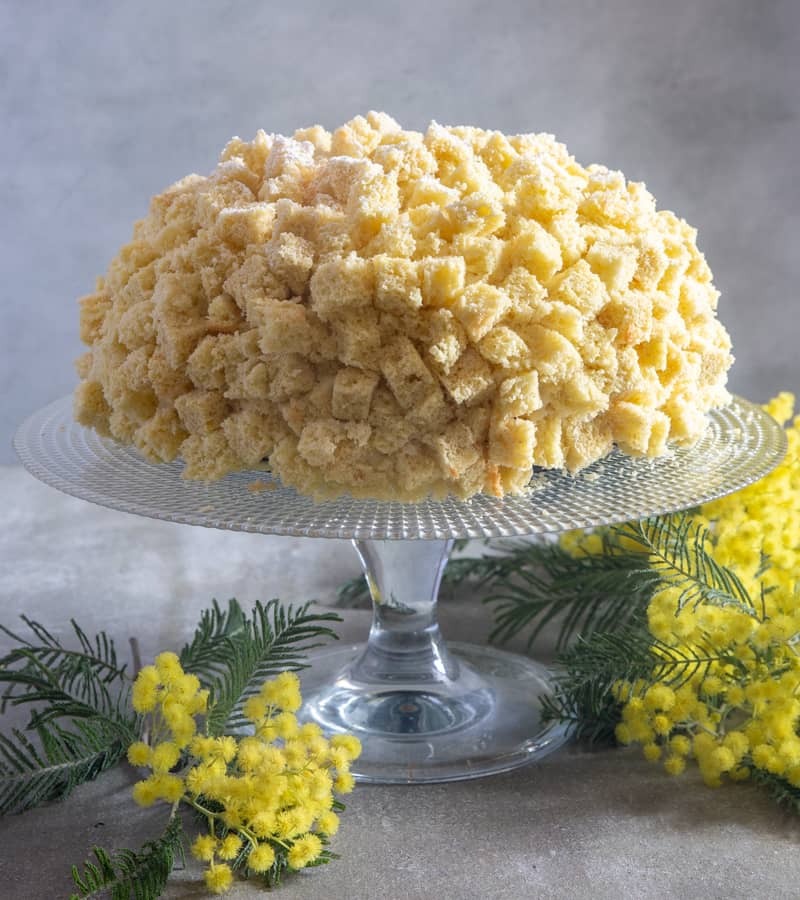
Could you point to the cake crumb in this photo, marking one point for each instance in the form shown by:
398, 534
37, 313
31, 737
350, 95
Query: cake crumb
256, 487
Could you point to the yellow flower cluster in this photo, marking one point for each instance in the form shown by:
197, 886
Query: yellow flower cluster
265, 795
764, 518
741, 710
172, 699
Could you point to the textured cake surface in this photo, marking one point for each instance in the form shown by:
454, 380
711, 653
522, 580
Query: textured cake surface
393, 314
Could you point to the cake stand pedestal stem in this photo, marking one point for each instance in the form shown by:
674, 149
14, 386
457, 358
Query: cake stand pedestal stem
423, 709
405, 643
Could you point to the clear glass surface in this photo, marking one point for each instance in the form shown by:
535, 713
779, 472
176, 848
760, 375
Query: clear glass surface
741, 444
425, 710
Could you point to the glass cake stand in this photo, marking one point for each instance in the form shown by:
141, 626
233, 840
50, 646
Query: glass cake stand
425, 710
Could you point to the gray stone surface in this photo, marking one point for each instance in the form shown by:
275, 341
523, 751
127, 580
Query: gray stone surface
601, 826
103, 104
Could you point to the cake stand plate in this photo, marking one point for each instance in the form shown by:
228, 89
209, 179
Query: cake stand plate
424, 710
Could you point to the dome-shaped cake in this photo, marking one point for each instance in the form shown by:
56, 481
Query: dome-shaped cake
390, 314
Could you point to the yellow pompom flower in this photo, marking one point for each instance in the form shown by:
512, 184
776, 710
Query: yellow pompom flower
623, 734
340, 759
309, 731
227, 748
164, 756
145, 792
680, 745
283, 692
204, 847
250, 754
789, 752
168, 787
199, 705
661, 725
735, 695
295, 754
328, 823
320, 785
286, 725
344, 783
347, 742
290, 823
674, 765
223, 748
230, 846
288, 686
139, 754
318, 749
218, 878
711, 686
264, 823
652, 752
737, 743
144, 694
184, 688
633, 709
197, 779
781, 407
702, 744
641, 731
183, 732
202, 746
274, 760
180, 722
711, 779
659, 697
168, 666
255, 708
231, 817
723, 759
304, 851
261, 858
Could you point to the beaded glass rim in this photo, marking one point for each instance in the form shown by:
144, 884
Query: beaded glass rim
741, 444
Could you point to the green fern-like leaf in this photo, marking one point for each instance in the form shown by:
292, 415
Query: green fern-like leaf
79, 719
536, 583
785, 794
541, 582
532, 584
587, 671
99, 656
209, 652
582, 698
677, 547
32, 773
72, 683
129, 874
233, 654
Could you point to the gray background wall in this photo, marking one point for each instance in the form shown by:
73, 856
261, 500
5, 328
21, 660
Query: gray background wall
103, 104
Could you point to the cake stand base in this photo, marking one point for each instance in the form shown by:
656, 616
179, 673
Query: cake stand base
424, 710
485, 721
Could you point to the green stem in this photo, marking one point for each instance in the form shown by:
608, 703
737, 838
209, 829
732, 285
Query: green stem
251, 838
201, 809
